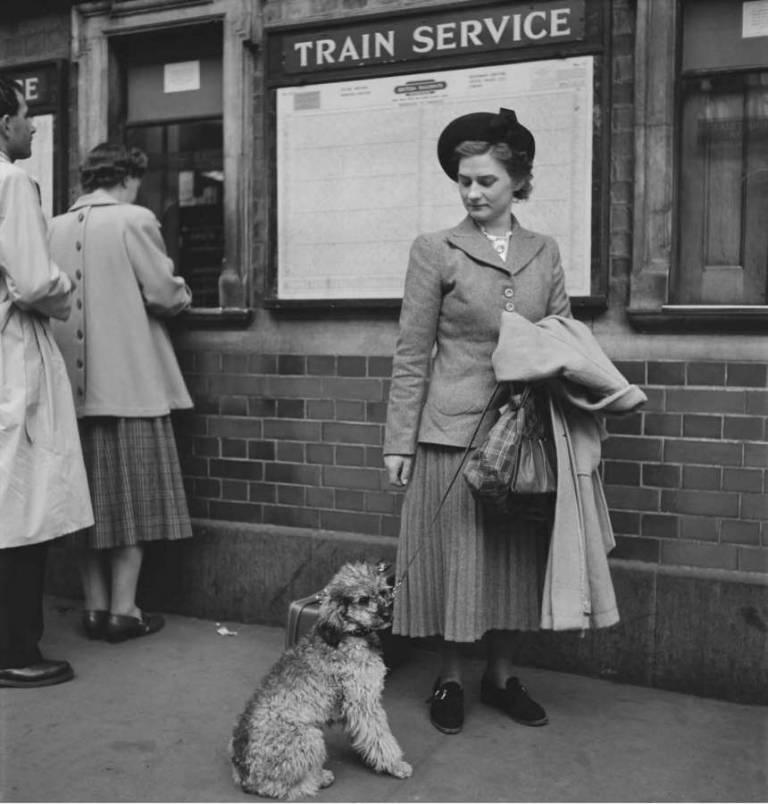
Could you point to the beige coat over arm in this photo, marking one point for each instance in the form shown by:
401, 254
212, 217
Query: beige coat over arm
118, 352
43, 487
456, 289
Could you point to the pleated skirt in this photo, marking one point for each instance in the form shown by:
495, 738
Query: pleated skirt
135, 482
470, 571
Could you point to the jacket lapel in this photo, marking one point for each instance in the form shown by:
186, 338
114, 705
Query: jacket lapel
524, 245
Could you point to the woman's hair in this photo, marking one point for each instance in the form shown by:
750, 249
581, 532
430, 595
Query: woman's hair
9, 97
517, 163
108, 164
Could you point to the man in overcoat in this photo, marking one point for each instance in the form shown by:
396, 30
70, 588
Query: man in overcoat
43, 486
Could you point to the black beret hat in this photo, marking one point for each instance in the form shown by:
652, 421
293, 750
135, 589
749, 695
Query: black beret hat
485, 127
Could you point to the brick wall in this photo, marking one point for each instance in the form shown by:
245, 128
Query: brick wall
296, 440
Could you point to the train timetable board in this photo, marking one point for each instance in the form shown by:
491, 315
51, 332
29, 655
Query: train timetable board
358, 175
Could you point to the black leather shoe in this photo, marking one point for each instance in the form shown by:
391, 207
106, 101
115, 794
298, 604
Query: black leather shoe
446, 707
95, 623
121, 627
514, 700
44, 673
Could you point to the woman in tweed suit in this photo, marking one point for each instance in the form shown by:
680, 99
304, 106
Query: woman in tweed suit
476, 573
125, 381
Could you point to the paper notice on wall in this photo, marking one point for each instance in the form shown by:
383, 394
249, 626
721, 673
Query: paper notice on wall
181, 76
40, 165
754, 18
358, 176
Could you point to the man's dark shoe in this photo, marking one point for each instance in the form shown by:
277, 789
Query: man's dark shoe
514, 700
95, 623
44, 673
446, 707
121, 627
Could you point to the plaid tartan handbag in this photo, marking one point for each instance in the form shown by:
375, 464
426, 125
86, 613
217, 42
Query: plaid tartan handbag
514, 468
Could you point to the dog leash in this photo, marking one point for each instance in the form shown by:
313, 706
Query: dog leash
423, 544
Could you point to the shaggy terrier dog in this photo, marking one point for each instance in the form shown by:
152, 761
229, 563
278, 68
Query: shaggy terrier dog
334, 673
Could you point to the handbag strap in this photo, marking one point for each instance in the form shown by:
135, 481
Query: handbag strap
447, 491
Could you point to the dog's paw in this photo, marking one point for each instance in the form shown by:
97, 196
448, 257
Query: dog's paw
326, 778
401, 769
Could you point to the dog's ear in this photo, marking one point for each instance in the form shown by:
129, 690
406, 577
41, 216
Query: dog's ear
329, 634
333, 607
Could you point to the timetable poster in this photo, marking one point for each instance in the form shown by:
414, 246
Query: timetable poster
358, 176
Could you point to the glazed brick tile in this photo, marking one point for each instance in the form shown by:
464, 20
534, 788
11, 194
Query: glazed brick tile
351, 433
631, 498
379, 366
633, 548
702, 477
347, 500
656, 400
695, 554
237, 385
750, 480
235, 511
294, 473
321, 364
262, 407
198, 508
374, 456
291, 495
663, 424
633, 370
290, 408
319, 453
757, 403
233, 406
292, 430
234, 490
341, 477
206, 447
733, 531
706, 374
349, 522
208, 362
262, 492
659, 526
632, 448
743, 428
625, 522
697, 426
290, 452
234, 448
294, 387
708, 503
621, 473
234, 363
632, 424
754, 506
747, 375
320, 409
662, 475
290, 516
187, 360
318, 497
705, 400
205, 404
351, 366
193, 467
707, 453
376, 412
291, 364
379, 502
698, 528
751, 560
756, 455
261, 450
206, 487
349, 456
347, 411
366, 389
262, 364
666, 373
237, 470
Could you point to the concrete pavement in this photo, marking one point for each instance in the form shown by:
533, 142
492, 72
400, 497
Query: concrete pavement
148, 720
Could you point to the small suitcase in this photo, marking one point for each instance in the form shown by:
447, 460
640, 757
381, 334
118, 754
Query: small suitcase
302, 615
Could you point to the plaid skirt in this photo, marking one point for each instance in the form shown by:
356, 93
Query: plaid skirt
135, 481
475, 569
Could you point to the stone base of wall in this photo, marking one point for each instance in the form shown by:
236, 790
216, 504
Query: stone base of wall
689, 630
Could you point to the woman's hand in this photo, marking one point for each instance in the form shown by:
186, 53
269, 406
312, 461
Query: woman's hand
399, 468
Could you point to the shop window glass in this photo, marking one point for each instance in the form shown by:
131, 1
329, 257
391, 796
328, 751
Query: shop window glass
184, 187
723, 160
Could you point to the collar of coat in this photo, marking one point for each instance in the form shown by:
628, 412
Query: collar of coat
524, 245
97, 198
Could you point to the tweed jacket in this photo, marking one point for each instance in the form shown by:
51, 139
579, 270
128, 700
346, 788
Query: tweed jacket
43, 487
456, 289
118, 352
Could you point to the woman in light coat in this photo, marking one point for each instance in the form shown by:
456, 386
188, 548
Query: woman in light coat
470, 573
125, 381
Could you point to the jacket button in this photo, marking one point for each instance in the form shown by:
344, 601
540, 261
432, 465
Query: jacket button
79, 274
79, 304
81, 217
79, 363
79, 391
79, 334
509, 292
509, 307
78, 245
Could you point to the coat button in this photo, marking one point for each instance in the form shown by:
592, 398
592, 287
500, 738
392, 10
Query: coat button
79, 274
79, 391
81, 217
509, 307
78, 245
79, 363
509, 292
79, 334
79, 304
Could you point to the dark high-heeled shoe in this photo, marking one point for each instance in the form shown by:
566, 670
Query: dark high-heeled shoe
95, 623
